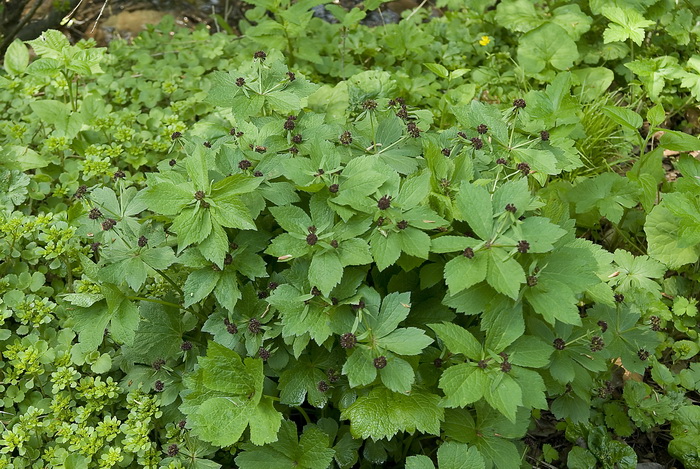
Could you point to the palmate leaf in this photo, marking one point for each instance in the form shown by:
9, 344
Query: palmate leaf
160, 333
311, 450
490, 432
382, 414
666, 244
626, 24
119, 315
451, 455
299, 382
224, 395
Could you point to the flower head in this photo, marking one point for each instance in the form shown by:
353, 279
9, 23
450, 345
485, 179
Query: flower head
484, 41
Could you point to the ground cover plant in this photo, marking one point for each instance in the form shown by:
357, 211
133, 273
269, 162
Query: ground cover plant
326, 245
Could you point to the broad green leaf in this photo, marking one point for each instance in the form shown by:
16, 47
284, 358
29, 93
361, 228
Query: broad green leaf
120, 316
437, 69
382, 414
58, 114
458, 340
299, 381
192, 226
229, 210
405, 341
662, 228
414, 242
573, 20
167, 198
462, 272
414, 190
474, 205
593, 81
292, 219
16, 58
540, 233
226, 291
625, 117
518, 15
627, 23
386, 249
453, 455
395, 308
354, 251
224, 394
636, 273
679, 141
359, 368
463, 384
505, 395
419, 462
215, 247
503, 325
325, 271
548, 44
553, 300
235, 184
504, 274
50, 44
397, 375
310, 450
160, 332
656, 115
199, 285
531, 351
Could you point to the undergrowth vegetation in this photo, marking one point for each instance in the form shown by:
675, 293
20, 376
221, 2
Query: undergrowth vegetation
469, 239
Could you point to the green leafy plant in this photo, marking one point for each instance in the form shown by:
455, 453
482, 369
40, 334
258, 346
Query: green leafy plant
253, 261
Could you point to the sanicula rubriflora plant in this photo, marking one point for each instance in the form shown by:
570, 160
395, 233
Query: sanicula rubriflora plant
211, 258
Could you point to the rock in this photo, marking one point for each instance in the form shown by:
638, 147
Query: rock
128, 24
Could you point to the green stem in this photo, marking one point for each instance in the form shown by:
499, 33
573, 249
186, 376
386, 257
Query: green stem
629, 241
290, 49
69, 275
403, 137
303, 414
70, 88
171, 282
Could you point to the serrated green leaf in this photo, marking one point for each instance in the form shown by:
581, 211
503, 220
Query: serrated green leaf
167, 198
160, 333
382, 414
463, 384
397, 375
199, 285
406, 341
625, 117
395, 308
310, 451
224, 394
453, 455
16, 58
474, 205
458, 340
504, 274
359, 368
627, 24
462, 272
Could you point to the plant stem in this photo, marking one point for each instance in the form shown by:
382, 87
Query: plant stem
171, 282
303, 414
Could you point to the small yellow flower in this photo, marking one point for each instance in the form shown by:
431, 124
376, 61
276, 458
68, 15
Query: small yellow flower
485, 40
